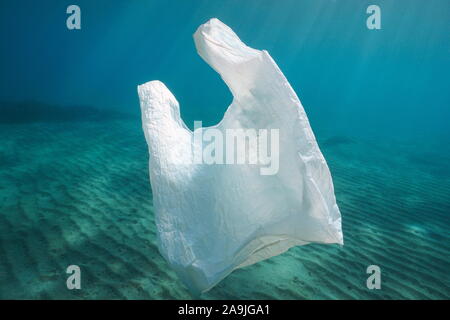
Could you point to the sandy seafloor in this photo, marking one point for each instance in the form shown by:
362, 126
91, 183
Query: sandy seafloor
79, 193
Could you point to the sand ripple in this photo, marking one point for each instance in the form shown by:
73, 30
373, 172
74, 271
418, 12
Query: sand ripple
78, 193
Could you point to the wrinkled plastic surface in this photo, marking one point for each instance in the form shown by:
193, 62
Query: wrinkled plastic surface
212, 219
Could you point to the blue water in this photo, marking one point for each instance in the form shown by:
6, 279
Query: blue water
73, 161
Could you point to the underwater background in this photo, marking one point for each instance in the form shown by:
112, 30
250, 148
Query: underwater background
74, 186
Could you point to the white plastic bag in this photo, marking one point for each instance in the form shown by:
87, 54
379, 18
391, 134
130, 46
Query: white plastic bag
214, 218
